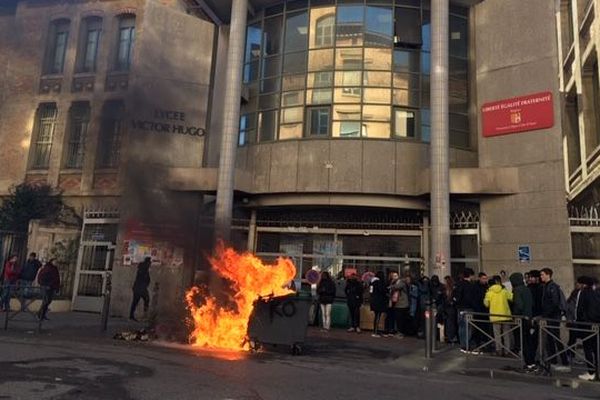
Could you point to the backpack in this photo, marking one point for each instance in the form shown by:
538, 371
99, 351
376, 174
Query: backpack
593, 307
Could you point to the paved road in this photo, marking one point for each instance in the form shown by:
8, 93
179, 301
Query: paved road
52, 366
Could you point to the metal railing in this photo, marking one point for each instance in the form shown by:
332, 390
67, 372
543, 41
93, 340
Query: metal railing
26, 296
477, 322
550, 347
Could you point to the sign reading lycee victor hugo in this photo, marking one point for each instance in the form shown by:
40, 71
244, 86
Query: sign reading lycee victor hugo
520, 114
165, 121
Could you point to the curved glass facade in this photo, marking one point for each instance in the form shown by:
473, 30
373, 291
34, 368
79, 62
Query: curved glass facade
349, 69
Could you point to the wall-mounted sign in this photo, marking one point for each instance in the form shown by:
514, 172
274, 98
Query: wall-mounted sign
165, 121
520, 114
524, 253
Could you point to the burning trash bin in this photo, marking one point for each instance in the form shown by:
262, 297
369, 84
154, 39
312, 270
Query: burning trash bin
279, 321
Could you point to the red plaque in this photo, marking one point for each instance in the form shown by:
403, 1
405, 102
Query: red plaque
520, 114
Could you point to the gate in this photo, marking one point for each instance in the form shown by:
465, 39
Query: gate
95, 259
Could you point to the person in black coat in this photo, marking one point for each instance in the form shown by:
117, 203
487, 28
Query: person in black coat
553, 308
466, 298
326, 291
140, 287
49, 281
354, 299
378, 300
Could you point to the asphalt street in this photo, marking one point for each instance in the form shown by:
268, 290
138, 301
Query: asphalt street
72, 365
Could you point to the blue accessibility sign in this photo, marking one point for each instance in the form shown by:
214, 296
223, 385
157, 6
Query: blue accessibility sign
524, 253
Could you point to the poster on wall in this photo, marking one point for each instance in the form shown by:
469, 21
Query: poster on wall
140, 242
294, 251
328, 255
519, 114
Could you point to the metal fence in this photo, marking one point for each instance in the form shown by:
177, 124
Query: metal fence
570, 343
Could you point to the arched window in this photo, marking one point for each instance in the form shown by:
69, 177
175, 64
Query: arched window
325, 27
56, 48
125, 42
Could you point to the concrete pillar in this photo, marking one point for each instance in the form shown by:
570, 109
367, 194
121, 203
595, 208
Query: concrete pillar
231, 119
439, 166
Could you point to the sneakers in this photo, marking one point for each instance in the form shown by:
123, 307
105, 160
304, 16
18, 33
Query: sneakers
376, 335
561, 368
350, 329
399, 336
587, 377
532, 368
357, 330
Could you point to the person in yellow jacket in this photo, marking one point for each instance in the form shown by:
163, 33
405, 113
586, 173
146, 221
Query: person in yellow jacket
497, 300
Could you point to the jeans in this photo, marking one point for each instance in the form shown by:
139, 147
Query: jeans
450, 323
591, 354
137, 295
465, 342
502, 338
390, 321
48, 297
553, 345
376, 320
326, 315
354, 315
5, 300
530, 339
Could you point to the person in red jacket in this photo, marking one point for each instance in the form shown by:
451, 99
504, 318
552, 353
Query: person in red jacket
10, 278
49, 281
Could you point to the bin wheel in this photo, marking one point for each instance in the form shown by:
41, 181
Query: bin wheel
254, 346
297, 349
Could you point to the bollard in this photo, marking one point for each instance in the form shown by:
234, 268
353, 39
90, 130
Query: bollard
106, 304
428, 331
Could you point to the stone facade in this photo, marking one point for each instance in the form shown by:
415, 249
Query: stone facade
164, 94
516, 56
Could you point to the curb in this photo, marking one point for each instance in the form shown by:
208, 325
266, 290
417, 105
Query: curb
557, 381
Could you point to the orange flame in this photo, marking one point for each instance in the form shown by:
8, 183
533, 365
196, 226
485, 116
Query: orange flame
216, 326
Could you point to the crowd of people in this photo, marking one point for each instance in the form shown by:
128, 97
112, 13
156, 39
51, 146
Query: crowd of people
15, 278
493, 303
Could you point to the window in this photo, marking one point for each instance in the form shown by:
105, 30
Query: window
379, 26
268, 125
408, 28
126, 42
405, 123
350, 25
318, 121
350, 129
45, 126
79, 119
252, 55
247, 129
111, 129
324, 31
459, 45
57, 46
272, 33
296, 32
89, 41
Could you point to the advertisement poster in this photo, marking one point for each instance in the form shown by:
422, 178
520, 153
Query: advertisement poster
140, 242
